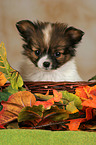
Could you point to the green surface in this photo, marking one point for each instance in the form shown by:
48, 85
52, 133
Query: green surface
40, 137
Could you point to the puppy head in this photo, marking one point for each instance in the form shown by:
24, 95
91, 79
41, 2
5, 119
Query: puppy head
49, 45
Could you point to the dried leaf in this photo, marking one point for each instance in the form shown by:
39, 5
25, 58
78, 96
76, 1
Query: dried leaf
15, 103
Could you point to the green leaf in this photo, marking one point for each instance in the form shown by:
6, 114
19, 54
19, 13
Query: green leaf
11, 75
93, 78
4, 96
10, 90
21, 89
56, 114
1, 107
45, 97
68, 97
30, 113
72, 108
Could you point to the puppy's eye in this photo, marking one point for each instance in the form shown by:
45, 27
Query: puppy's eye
37, 52
57, 54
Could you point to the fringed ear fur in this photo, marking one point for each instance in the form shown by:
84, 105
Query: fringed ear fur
75, 35
25, 25
26, 29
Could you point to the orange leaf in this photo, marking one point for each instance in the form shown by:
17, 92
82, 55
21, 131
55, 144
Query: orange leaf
85, 91
92, 90
57, 96
80, 92
75, 123
3, 80
46, 104
90, 103
15, 103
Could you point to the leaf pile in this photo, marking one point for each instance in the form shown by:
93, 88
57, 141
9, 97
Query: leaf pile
60, 111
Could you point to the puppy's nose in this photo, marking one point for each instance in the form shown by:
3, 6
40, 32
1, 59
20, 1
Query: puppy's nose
46, 64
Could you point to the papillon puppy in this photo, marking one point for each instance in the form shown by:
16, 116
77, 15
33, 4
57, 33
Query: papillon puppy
49, 51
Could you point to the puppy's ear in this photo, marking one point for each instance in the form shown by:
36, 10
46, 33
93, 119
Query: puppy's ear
74, 35
26, 28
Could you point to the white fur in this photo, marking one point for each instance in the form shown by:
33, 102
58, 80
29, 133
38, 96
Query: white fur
47, 32
42, 60
66, 72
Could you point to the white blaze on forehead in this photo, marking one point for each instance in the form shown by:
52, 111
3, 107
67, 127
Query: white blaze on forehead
47, 33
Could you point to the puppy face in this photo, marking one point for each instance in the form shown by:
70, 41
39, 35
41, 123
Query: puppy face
49, 45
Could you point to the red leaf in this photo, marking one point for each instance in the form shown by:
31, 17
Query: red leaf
2, 127
89, 113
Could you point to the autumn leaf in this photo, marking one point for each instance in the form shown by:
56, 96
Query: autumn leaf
90, 102
4, 96
68, 97
38, 116
10, 90
15, 103
3, 80
75, 123
31, 113
85, 92
57, 95
80, 92
88, 95
2, 127
89, 113
92, 91
43, 97
46, 104
55, 114
71, 108
11, 75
